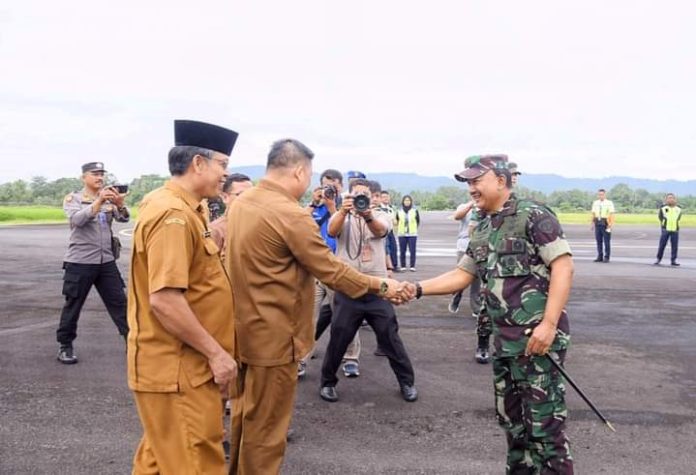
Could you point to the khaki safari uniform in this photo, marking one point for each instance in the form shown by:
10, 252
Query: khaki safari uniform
272, 256
177, 399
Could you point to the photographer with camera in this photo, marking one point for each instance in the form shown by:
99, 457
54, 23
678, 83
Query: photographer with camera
325, 200
92, 254
360, 230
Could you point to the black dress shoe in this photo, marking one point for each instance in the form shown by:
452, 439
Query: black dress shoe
606, 259
599, 259
328, 393
409, 392
675, 264
656, 263
66, 355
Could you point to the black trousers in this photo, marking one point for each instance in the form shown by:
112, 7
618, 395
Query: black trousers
392, 249
379, 314
673, 238
603, 238
77, 282
410, 243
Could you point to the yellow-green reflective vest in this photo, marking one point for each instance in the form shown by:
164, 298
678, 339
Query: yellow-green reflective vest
669, 217
412, 229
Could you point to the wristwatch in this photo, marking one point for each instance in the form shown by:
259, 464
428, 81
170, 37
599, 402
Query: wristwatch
383, 287
419, 290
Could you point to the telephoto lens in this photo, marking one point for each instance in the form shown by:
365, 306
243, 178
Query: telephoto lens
361, 203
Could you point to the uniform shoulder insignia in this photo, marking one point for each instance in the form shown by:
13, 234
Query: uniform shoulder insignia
175, 221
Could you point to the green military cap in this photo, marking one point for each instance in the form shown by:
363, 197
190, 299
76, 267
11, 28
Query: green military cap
512, 166
477, 165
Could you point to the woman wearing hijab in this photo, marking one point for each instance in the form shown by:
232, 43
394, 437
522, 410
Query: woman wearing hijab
407, 222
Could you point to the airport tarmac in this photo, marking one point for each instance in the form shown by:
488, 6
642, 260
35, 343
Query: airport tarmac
634, 346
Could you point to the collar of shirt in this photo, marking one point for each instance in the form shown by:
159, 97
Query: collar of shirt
269, 185
188, 198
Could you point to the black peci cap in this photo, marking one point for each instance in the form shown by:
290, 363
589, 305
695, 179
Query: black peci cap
201, 134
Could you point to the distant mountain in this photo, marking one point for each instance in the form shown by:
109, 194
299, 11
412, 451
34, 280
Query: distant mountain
407, 182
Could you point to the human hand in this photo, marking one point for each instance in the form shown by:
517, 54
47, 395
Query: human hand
406, 292
117, 197
317, 195
347, 204
540, 340
224, 369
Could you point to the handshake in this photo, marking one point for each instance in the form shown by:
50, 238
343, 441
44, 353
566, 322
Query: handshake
400, 292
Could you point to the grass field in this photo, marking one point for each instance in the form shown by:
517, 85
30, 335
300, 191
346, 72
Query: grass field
687, 221
47, 214
31, 215
35, 215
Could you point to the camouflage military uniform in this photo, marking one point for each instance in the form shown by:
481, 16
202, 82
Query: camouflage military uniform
511, 251
483, 320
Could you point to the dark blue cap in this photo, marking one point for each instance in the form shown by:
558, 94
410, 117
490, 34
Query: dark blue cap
355, 174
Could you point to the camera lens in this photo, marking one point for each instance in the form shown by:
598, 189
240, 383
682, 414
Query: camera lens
361, 203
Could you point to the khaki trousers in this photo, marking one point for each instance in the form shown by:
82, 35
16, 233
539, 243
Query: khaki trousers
261, 413
182, 431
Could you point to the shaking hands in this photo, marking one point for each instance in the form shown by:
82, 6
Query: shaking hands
400, 293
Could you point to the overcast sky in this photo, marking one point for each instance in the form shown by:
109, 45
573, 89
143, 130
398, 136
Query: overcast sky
587, 89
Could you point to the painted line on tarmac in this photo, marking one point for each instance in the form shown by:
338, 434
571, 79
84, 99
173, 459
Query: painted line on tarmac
26, 328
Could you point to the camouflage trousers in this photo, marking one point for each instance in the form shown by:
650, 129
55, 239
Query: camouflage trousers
530, 406
484, 326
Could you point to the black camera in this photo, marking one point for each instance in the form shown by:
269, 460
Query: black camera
361, 203
330, 192
122, 189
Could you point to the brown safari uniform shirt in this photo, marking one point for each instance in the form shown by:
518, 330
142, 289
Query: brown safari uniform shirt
272, 256
172, 248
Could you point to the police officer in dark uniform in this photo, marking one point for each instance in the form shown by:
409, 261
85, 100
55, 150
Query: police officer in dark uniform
90, 259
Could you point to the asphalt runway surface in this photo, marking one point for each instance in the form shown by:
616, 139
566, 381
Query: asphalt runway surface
633, 351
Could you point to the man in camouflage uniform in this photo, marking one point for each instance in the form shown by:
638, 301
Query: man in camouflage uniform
520, 254
90, 258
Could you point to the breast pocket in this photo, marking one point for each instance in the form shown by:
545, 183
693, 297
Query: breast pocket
513, 259
213, 264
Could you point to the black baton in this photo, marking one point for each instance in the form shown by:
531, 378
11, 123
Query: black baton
567, 377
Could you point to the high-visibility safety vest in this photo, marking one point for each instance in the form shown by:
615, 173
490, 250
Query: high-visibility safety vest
669, 218
412, 228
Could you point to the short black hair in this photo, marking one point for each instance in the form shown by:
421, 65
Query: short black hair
180, 157
385, 192
287, 152
234, 178
375, 187
332, 174
602, 190
359, 182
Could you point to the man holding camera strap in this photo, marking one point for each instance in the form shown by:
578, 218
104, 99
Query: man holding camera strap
90, 259
360, 230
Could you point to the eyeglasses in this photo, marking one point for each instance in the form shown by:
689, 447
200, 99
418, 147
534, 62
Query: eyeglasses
223, 163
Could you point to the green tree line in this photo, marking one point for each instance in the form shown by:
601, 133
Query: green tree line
40, 191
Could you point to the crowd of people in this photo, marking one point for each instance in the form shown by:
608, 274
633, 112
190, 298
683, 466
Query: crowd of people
231, 284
